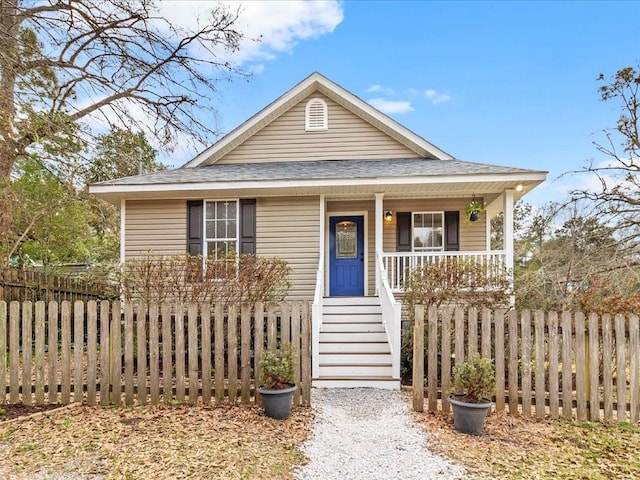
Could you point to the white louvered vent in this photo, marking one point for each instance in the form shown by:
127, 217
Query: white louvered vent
316, 117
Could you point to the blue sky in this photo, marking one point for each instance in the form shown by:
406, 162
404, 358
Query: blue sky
508, 83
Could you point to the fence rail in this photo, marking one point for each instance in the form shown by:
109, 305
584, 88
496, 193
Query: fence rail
113, 352
547, 364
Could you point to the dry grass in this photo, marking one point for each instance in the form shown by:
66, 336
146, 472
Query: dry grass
164, 442
519, 448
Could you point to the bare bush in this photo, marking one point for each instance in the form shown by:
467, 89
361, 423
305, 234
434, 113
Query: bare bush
183, 278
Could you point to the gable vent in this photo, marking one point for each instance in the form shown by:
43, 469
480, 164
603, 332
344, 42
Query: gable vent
316, 117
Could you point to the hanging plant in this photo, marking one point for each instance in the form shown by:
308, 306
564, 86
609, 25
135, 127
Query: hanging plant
473, 210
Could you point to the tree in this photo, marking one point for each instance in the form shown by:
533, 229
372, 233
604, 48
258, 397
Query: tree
63, 62
619, 176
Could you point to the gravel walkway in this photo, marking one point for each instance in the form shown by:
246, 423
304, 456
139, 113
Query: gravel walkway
367, 433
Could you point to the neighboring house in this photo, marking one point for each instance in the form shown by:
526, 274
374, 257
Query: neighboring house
348, 196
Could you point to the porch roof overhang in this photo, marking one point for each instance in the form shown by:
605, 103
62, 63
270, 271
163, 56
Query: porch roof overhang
395, 178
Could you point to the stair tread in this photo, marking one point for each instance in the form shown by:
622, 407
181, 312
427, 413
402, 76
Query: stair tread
355, 365
355, 377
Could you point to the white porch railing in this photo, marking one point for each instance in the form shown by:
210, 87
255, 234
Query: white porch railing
399, 264
391, 317
316, 318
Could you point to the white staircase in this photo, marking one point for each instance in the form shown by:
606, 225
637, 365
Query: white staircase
353, 346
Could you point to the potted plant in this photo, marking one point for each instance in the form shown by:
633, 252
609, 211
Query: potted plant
474, 382
473, 210
276, 382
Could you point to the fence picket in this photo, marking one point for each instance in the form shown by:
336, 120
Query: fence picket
594, 368
567, 366
167, 353
3, 351
219, 352
621, 376
525, 328
432, 359
539, 354
271, 327
192, 329
232, 354
258, 346
180, 353
154, 355
513, 362
418, 360
295, 349
245, 353
128, 354
141, 347
485, 350
554, 399
92, 351
634, 370
305, 326
27, 343
52, 396
40, 331
472, 318
446, 357
205, 314
581, 370
498, 319
116, 355
65, 355
78, 350
459, 335
607, 371
105, 351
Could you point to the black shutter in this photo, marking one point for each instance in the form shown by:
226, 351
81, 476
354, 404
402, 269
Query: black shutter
248, 226
452, 231
403, 232
194, 227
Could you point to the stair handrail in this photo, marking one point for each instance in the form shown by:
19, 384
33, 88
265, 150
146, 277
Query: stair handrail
316, 319
391, 316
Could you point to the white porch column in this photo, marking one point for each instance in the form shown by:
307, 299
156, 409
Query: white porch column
123, 210
379, 233
323, 216
508, 234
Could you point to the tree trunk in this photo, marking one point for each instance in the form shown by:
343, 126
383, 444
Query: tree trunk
9, 32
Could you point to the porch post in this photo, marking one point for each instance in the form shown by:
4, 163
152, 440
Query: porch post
508, 235
123, 213
379, 213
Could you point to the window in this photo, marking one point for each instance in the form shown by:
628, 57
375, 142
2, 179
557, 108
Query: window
428, 231
316, 117
221, 228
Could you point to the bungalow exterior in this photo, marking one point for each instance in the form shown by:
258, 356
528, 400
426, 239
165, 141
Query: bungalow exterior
346, 195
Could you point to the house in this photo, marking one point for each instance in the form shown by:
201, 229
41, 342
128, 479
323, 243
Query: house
348, 196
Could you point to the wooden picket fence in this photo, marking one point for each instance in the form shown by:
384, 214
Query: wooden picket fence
113, 352
547, 364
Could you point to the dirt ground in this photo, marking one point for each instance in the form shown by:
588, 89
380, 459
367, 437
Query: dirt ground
164, 442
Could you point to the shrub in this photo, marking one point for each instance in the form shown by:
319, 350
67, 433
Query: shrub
277, 369
474, 379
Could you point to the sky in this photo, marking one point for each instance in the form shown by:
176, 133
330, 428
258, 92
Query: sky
506, 83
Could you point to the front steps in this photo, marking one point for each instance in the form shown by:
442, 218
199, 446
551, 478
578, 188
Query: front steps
353, 348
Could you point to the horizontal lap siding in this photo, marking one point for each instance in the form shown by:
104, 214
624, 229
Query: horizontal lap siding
288, 228
472, 234
369, 207
348, 138
159, 226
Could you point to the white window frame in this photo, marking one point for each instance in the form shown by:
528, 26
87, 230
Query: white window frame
427, 249
206, 239
324, 125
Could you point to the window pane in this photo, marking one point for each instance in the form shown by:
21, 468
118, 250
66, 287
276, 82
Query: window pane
211, 210
346, 240
211, 229
221, 229
231, 229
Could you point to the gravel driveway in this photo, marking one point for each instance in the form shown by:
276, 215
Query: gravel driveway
366, 433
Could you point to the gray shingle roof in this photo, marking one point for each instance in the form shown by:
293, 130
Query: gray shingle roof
317, 170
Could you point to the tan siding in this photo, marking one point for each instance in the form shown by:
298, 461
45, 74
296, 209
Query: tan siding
356, 207
349, 137
288, 227
472, 234
156, 226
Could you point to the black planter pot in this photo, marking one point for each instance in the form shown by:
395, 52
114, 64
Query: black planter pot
469, 417
277, 403
474, 216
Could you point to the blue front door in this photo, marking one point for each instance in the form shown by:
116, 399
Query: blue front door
346, 256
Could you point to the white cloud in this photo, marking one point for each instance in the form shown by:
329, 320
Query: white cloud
380, 89
436, 97
279, 25
391, 106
